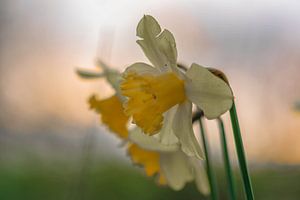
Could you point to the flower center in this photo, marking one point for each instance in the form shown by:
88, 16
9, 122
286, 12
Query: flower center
112, 114
149, 96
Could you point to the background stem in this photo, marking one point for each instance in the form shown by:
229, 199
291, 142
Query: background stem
231, 185
210, 174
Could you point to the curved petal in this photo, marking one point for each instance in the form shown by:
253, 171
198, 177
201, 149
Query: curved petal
183, 129
176, 169
210, 93
159, 47
200, 175
166, 135
150, 143
141, 68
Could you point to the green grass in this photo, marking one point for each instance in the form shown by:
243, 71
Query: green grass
111, 181
118, 181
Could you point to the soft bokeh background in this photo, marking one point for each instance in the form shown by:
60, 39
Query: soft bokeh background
53, 147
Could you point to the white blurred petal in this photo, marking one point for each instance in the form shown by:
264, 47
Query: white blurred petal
101, 64
210, 93
183, 129
176, 169
166, 134
83, 73
200, 175
114, 78
150, 143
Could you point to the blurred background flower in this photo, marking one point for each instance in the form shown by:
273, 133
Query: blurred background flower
51, 144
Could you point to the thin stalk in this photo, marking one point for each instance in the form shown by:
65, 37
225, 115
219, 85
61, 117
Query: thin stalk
210, 173
231, 187
241, 153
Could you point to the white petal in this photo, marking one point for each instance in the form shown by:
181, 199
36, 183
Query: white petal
166, 135
150, 143
200, 175
101, 64
210, 93
183, 129
160, 48
176, 169
147, 26
112, 76
167, 45
83, 73
141, 68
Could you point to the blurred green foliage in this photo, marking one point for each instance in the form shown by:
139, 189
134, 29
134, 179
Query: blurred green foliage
35, 180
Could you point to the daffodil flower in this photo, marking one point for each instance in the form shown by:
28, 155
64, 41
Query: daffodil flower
160, 97
111, 109
167, 162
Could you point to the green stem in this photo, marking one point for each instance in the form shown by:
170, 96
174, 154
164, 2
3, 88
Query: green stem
228, 169
210, 174
241, 153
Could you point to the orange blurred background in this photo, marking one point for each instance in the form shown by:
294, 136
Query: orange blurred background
43, 102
